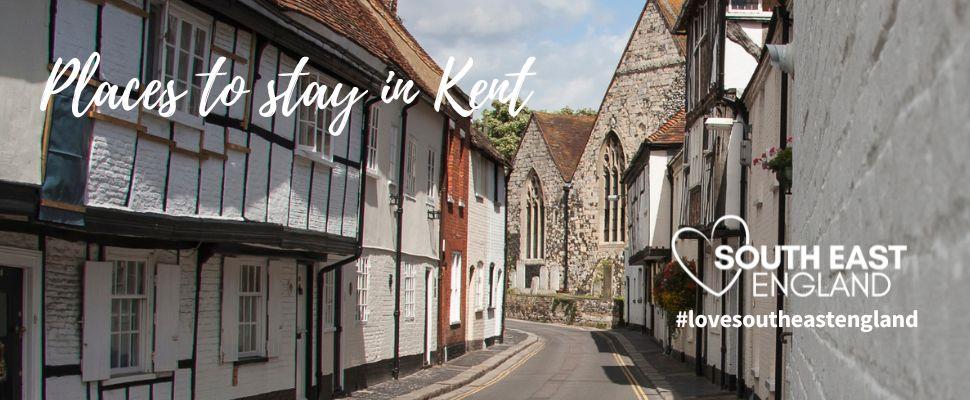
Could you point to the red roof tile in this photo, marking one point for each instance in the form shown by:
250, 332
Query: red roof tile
566, 137
671, 131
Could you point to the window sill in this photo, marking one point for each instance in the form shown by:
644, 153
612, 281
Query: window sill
180, 117
250, 360
455, 325
373, 173
132, 377
410, 197
313, 157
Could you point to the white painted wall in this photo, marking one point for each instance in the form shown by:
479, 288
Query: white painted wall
486, 246
23, 76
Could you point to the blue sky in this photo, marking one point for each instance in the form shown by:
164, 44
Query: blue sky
577, 43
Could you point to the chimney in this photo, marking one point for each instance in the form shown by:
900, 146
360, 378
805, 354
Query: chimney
390, 5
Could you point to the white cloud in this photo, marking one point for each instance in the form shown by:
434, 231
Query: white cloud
576, 43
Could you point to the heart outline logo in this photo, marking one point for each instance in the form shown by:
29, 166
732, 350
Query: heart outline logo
673, 249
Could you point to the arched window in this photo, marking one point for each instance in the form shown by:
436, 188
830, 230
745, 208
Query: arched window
535, 220
614, 216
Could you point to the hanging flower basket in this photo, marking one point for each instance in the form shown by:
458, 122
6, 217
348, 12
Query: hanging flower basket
676, 292
780, 162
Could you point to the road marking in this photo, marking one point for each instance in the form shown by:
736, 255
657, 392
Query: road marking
502, 374
634, 385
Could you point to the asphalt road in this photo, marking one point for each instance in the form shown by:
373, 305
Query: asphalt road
571, 364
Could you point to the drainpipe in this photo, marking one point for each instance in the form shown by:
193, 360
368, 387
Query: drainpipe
783, 140
505, 258
398, 242
565, 237
338, 267
698, 331
744, 213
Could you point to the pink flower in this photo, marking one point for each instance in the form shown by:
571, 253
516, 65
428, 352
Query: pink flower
772, 151
756, 161
791, 139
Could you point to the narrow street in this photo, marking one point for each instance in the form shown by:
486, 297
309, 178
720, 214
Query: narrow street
569, 363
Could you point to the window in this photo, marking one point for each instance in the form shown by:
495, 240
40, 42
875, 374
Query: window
409, 291
614, 216
251, 300
329, 287
363, 284
479, 165
745, 5
480, 287
410, 172
535, 220
432, 174
313, 123
129, 300
183, 53
372, 160
455, 298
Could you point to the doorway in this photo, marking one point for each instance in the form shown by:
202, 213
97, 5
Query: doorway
11, 332
431, 298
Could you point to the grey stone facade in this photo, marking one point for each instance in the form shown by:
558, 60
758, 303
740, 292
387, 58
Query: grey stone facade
646, 90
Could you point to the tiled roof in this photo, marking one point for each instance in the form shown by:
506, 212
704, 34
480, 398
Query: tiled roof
670, 10
480, 141
370, 25
566, 137
671, 131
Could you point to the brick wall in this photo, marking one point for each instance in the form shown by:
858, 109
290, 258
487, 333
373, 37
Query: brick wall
879, 119
454, 231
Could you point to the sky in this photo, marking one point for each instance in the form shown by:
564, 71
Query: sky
577, 43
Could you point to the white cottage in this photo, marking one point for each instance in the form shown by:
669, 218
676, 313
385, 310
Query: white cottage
486, 243
191, 257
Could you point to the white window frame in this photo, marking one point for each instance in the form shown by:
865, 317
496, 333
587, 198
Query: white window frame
146, 316
329, 300
757, 10
191, 84
480, 287
313, 136
432, 175
479, 166
410, 172
259, 296
409, 291
373, 161
454, 309
363, 287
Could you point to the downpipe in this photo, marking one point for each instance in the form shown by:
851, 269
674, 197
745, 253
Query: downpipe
399, 216
337, 266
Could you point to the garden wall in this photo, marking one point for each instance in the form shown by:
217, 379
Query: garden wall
565, 309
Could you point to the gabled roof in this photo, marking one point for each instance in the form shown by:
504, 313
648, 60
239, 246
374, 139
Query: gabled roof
480, 141
670, 10
566, 137
672, 131
670, 135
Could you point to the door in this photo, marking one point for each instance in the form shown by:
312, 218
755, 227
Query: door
11, 311
302, 333
430, 298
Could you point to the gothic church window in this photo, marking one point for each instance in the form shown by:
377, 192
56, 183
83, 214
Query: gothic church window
614, 216
535, 218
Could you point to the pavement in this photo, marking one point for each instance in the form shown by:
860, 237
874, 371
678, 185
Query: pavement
669, 377
549, 361
441, 379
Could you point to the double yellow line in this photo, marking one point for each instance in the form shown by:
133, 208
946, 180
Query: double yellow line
637, 390
502, 374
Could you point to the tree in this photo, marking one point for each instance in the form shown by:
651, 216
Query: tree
505, 131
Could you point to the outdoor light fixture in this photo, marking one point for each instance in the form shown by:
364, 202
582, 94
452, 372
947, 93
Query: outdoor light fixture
395, 199
719, 124
781, 57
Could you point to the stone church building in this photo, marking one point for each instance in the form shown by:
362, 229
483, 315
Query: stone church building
566, 213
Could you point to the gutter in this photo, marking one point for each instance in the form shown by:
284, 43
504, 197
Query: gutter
505, 257
337, 266
396, 370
